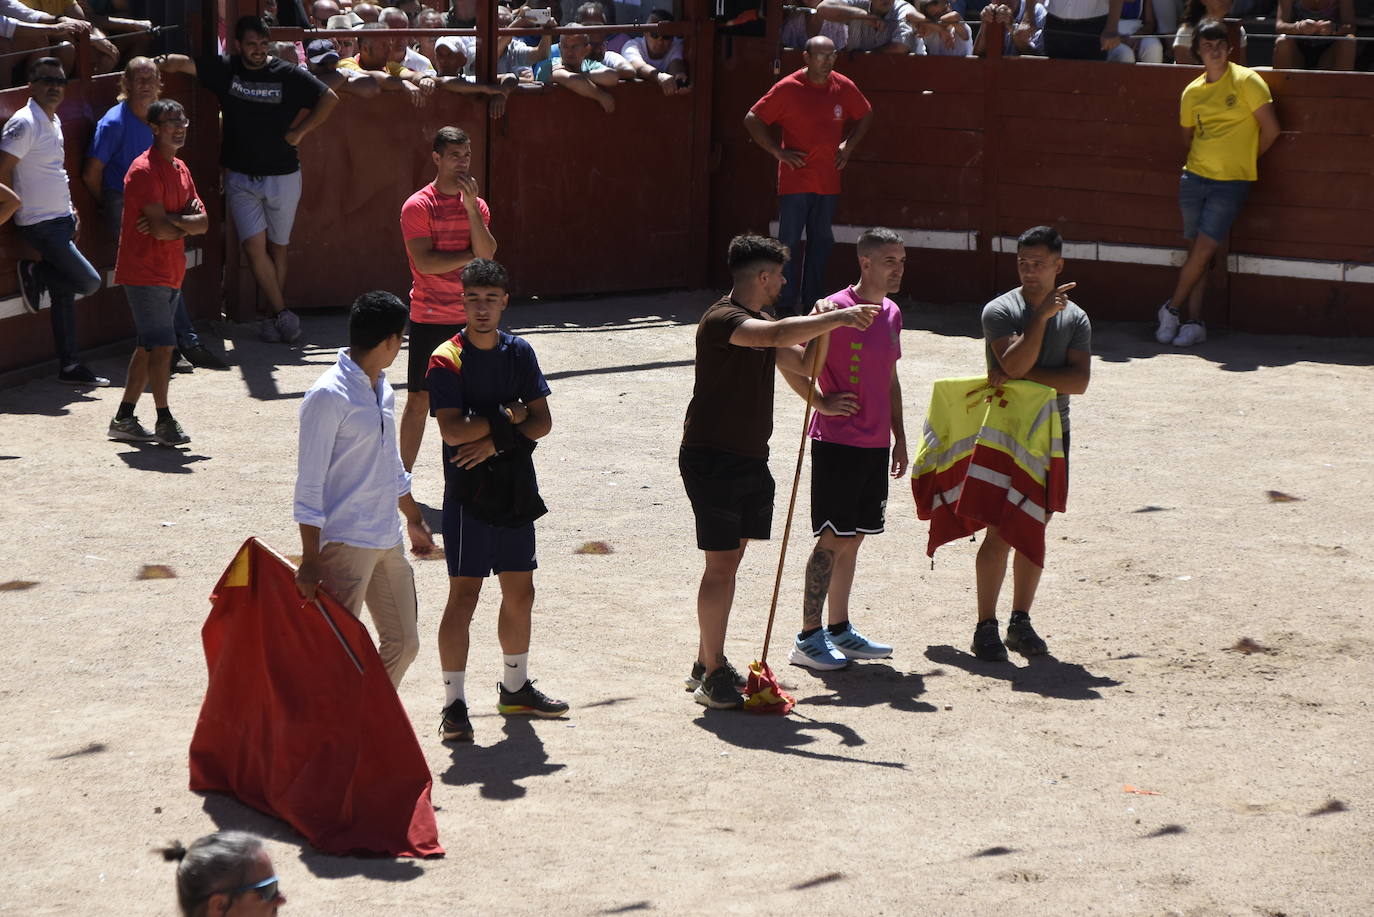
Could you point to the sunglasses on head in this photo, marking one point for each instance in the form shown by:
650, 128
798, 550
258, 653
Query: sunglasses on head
50, 80
267, 889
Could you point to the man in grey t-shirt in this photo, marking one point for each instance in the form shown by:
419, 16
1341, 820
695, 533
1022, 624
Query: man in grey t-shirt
1033, 332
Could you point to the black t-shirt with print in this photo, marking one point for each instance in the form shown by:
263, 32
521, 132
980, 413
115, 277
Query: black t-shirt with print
259, 107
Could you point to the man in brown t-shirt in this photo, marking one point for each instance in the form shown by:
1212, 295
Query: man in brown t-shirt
724, 454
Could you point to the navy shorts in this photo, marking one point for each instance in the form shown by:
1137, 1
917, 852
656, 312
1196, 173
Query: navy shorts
476, 548
1209, 206
154, 310
731, 496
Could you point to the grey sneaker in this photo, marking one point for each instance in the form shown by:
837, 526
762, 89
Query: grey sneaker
130, 430
289, 326
267, 331
1168, 325
180, 364
718, 692
169, 433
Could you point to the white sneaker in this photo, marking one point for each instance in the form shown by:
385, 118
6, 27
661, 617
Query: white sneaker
1168, 325
1191, 333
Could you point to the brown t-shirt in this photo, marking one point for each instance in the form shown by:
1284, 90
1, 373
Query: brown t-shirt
732, 400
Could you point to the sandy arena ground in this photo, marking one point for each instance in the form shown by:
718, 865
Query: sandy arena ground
927, 784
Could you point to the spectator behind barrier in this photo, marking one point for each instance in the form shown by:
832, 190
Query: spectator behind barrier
224, 871
380, 58
347, 46
367, 12
1315, 35
1194, 11
575, 71
322, 60
1137, 16
658, 58
32, 154
395, 18
286, 50
594, 13
1081, 29
23, 28
1019, 38
950, 35
887, 26
799, 26
321, 11
516, 58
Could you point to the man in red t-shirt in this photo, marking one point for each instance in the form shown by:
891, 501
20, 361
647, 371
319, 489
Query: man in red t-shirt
445, 226
161, 207
815, 107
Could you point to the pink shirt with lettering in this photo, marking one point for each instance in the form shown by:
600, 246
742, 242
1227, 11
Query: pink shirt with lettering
861, 362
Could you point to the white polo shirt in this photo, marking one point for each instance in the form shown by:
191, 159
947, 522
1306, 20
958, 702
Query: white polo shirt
40, 179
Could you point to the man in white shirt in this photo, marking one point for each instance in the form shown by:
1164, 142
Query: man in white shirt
658, 58
350, 481
31, 162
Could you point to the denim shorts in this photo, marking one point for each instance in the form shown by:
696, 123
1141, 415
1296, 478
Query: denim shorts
1210, 206
154, 310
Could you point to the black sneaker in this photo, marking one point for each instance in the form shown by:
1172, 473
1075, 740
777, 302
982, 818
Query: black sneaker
454, 725
169, 433
1022, 638
30, 286
718, 691
693, 681
78, 374
986, 644
203, 357
529, 701
180, 364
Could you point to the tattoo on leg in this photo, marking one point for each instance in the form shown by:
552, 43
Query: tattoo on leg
818, 571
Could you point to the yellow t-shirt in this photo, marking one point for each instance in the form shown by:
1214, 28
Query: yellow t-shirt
394, 68
1225, 132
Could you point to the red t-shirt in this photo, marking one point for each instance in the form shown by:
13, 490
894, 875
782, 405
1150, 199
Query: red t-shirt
144, 261
813, 119
437, 299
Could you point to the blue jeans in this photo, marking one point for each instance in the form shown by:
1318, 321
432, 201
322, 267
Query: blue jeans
1209, 205
813, 213
113, 203
65, 274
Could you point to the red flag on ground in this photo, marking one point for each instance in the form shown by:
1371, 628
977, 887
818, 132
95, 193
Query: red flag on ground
300, 719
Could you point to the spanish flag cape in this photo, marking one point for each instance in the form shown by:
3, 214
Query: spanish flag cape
990, 456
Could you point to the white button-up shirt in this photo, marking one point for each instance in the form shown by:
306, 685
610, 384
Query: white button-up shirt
349, 474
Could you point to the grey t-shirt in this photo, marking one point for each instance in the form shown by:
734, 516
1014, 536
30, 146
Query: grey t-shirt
1068, 330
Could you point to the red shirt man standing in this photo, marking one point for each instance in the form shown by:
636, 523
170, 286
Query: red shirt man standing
823, 116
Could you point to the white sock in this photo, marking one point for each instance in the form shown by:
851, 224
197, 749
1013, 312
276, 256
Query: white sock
515, 672
453, 687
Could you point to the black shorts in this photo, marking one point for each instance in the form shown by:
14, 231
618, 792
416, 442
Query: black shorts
731, 495
848, 489
424, 339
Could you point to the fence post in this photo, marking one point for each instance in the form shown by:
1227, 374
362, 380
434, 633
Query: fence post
992, 66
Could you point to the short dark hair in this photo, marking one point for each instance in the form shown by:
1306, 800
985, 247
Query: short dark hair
1209, 28
212, 864
160, 109
449, 134
374, 317
1036, 236
592, 6
484, 272
661, 16
748, 251
46, 62
877, 237
250, 23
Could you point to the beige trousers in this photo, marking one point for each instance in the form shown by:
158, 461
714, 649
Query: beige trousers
384, 579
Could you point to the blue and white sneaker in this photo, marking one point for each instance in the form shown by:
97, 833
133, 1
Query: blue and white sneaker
855, 645
817, 652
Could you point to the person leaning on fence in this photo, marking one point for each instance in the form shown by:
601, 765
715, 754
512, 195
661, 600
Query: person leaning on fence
228, 872
1194, 11
395, 18
948, 35
32, 152
885, 26
1018, 37
322, 60
261, 100
658, 58
1228, 121
105, 56
594, 13
574, 70
23, 28
1316, 35
1080, 29
799, 26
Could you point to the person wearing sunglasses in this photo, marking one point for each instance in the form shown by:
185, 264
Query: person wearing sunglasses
658, 58
225, 873
32, 153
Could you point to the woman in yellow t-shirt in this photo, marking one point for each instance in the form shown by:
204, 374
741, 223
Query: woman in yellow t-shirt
1228, 121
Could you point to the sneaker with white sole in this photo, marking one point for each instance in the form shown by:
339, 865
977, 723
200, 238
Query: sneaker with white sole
817, 652
78, 374
718, 691
1168, 325
693, 681
129, 430
1189, 334
289, 326
169, 433
854, 645
30, 285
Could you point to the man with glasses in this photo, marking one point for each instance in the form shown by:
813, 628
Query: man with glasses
31, 162
161, 208
658, 58
814, 107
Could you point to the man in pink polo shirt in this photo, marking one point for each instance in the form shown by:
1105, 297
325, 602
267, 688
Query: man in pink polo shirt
823, 116
859, 415
445, 226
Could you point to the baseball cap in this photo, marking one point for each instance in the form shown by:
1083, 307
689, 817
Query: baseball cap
322, 51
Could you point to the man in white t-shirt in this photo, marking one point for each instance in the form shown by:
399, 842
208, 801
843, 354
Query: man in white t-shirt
658, 58
31, 162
